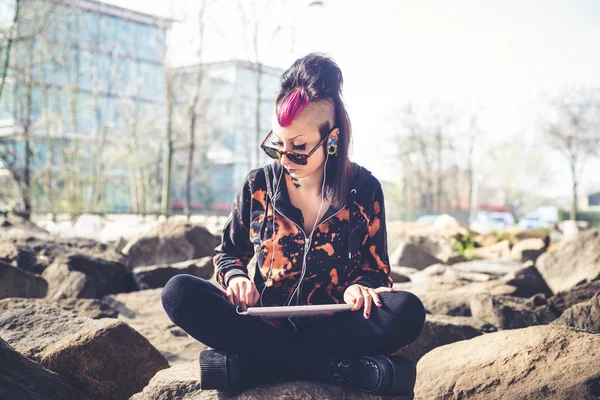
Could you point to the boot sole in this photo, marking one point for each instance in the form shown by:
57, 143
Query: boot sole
404, 375
219, 371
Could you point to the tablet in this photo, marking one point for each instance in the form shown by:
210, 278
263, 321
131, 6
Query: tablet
296, 311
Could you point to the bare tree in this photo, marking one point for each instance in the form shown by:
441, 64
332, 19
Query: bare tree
572, 127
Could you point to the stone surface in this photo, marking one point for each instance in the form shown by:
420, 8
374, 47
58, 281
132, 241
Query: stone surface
496, 251
82, 276
21, 257
453, 297
47, 247
90, 308
15, 282
106, 358
438, 245
182, 382
528, 281
410, 255
21, 378
535, 363
495, 268
527, 250
440, 330
157, 276
170, 242
143, 310
563, 300
508, 312
447, 273
398, 276
584, 315
578, 262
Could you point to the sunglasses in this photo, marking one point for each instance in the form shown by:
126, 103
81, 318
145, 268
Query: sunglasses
296, 158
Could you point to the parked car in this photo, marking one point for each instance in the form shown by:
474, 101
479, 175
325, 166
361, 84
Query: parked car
486, 222
527, 222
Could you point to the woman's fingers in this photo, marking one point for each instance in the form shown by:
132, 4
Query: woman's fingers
367, 301
243, 294
375, 297
358, 301
254, 296
384, 289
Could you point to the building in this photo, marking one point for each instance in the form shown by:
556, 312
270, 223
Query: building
88, 88
225, 129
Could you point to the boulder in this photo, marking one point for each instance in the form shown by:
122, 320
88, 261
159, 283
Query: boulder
445, 272
539, 362
106, 358
528, 281
157, 276
398, 276
21, 257
527, 250
563, 300
410, 255
90, 308
544, 236
453, 297
432, 242
82, 276
584, 315
182, 382
495, 268
170, 242
46, 248
143, 310
496, 251
15, 282
440, 330
21, 378
578, 262
508, 312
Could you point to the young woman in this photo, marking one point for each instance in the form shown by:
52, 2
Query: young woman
315, 221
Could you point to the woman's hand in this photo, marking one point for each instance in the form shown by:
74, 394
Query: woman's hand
242, 292
361, 295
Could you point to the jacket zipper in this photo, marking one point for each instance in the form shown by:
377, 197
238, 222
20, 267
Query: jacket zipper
307, 240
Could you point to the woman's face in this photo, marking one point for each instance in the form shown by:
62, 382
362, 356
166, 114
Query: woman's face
302, 136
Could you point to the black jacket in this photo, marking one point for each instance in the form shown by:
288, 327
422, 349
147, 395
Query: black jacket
348, 246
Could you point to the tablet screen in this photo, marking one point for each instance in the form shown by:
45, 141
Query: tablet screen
296, 311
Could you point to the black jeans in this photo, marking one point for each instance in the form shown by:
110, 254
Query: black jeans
203, 311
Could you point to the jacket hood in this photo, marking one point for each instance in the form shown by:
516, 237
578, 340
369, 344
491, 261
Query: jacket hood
277, 195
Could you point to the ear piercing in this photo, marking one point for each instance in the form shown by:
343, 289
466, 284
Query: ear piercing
332, 148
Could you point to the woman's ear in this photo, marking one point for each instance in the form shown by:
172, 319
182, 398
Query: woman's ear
335, 136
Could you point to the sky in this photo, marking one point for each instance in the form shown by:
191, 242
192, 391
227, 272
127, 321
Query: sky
498, 56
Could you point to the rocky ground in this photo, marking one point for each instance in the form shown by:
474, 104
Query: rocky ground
515, 317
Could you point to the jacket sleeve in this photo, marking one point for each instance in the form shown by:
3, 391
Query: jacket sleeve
374, 270
235, 251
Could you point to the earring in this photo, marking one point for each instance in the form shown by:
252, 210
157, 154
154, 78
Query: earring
332, 148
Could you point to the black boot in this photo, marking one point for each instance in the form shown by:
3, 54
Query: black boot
234, 372
377, 375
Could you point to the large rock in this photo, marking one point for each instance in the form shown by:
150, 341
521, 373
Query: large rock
46, 248
520, 236
539, 362
157, 276
410, 255
440, 330
584, 316
528, 281
495, 268
578, 262
447, 273
496, 251
143, 310
170, 242
182, 382
18, 283
90, 308
563, 300
527, 250
105, 358
82, 276
21, 378
21, 257
453, 297
508, 312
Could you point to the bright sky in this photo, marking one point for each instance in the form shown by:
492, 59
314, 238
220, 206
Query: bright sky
500, 55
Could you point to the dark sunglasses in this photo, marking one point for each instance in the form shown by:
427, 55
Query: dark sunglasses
296, 158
